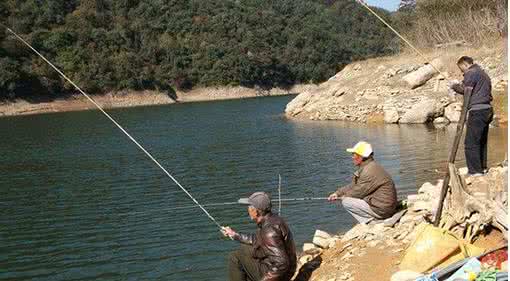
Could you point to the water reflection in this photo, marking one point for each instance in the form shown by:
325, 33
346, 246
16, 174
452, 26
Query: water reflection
80, 202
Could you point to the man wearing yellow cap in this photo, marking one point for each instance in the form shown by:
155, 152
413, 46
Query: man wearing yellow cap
371, 194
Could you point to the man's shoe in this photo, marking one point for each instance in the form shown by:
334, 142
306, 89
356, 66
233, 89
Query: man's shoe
475, 175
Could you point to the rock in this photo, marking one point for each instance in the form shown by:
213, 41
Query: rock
391, 115
423, 74
452, 112
430, 189
405, 275
422, 206
345, 276
297, 105
390, 73
403, 235
357, 231
308, 246
332, 242
463, 171
305, 259
322, 239
347, 256
348, 245
372, 244
376, 230
412, 198
422, 112
369, 237
441, 120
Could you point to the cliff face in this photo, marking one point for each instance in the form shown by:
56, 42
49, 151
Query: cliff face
399, 89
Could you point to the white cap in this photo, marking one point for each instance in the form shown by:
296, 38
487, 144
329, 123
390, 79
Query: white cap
362, 148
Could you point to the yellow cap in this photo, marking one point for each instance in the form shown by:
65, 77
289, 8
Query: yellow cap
362, 148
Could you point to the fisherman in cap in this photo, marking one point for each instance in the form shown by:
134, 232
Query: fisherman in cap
371, 195
267, 255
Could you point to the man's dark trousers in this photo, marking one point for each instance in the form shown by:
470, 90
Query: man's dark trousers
242, 265
475, 144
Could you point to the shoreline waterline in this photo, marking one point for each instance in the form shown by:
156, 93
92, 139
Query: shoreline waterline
129, 99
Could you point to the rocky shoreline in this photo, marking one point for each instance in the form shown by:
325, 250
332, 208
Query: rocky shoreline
400, 89
142, 98
366, 251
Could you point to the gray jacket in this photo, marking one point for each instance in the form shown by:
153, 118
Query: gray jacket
374, 185
476, 78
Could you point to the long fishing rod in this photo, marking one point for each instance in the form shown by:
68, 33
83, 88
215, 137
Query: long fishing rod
400, 36
116, 124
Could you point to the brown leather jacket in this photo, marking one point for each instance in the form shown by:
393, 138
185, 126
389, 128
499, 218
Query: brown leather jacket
273, 247
374, 185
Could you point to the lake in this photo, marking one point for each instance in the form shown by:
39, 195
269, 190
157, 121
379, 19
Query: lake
78, 201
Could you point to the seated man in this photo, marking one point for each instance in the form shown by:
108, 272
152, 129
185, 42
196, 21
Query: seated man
267, 255
371, 194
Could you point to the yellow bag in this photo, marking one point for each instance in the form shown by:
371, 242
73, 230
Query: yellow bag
435, 247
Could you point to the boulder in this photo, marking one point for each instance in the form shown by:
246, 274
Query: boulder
441, 120
452, 112
423, 74
308, 246
322, 239
391, 115
422, 206
422, 112
430, 189
357, 231
405, 275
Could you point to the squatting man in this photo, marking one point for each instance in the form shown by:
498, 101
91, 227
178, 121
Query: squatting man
371, 195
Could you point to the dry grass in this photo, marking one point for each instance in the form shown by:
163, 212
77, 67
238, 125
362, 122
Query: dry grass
476, 22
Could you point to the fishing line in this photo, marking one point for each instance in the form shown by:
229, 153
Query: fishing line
116, 124
400, 36
235, 203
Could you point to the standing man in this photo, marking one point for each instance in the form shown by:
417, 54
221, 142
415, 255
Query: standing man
371, 194
476, 84
267, 255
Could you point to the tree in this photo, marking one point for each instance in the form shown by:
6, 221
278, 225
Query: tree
106, 45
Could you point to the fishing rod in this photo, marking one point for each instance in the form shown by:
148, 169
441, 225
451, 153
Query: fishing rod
362, 3
148, 154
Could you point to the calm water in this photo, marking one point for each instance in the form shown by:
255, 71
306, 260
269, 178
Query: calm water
80, 202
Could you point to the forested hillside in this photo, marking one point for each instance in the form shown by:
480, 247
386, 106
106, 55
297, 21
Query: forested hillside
109, 45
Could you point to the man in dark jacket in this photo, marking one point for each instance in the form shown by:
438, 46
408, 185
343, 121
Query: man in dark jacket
371, 194
267, 255
476, 84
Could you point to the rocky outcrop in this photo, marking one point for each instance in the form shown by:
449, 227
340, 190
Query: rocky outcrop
392, 90
423, 111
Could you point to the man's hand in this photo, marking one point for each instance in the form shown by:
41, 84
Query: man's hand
228, 232
453, 83
333, 197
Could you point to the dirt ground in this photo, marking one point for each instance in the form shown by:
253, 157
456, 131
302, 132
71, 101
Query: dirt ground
360, 261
